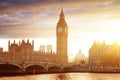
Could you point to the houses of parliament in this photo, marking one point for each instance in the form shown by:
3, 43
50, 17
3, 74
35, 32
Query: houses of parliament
24, 50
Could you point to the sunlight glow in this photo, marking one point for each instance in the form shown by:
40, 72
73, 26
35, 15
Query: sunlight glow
77, 41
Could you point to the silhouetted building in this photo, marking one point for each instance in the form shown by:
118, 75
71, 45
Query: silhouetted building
49, 48
103, 57
79, 58
22, 47
42, 48
46, 49
62, 39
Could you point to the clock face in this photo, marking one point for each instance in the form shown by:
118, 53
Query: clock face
59, 29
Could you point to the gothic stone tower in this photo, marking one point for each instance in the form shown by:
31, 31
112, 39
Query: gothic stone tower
62, 40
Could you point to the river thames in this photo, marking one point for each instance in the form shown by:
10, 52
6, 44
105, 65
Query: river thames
67, 76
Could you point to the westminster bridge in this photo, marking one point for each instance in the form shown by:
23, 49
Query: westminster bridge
28, 67
29, 63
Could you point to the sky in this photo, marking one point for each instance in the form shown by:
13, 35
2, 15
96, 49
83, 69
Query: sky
87, 20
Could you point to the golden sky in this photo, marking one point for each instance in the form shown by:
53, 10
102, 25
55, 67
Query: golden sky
87, 20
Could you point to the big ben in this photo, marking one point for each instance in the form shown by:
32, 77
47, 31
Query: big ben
62, 39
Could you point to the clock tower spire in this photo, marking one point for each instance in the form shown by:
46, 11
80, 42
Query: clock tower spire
62, 40
62, 14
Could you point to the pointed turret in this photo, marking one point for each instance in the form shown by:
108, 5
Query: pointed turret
28, 41
14, 41
9, 43
33, 43
19, 43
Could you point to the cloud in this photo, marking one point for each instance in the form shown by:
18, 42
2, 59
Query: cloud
33, 16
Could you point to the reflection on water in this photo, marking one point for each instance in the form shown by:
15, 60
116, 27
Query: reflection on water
63, 77
67, 76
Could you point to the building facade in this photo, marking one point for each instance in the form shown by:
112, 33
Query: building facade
22, 47
103, 57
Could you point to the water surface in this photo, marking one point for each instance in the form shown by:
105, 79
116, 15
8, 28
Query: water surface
67, 76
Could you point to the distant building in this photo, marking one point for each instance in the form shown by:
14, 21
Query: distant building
49, 48
103, 57
46, 49
79, 58
42, 48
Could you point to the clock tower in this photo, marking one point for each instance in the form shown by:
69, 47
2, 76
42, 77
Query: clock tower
62, 40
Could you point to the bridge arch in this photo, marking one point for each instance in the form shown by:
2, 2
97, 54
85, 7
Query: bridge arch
54, 68
35, 68
10, 68
67, 69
